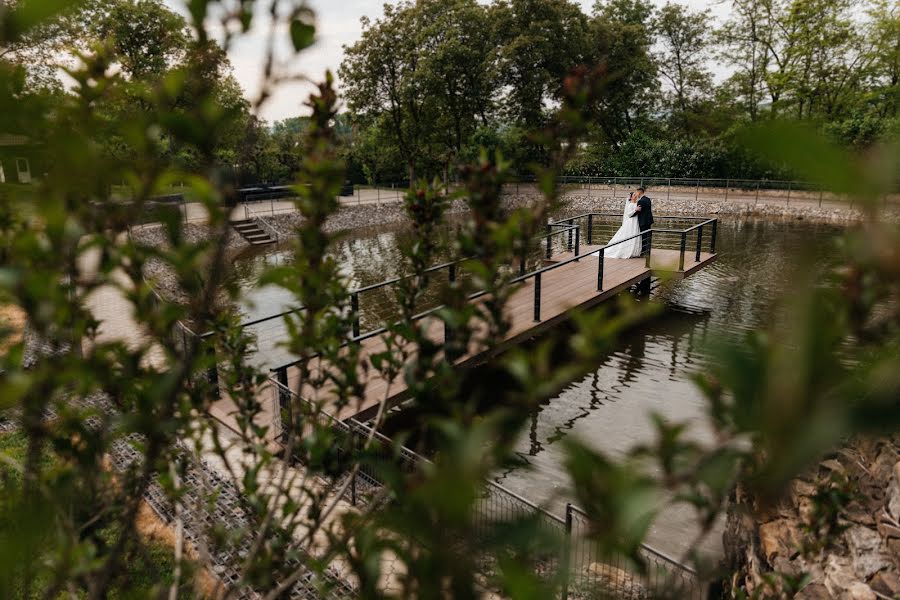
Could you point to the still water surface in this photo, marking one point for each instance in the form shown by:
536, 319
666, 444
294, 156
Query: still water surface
649, 370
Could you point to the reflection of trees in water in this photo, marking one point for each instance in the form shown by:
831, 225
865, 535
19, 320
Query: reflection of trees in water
677, 326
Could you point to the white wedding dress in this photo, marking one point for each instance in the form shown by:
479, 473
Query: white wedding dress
630, 227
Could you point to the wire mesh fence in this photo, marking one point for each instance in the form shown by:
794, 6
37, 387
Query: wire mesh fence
573, 558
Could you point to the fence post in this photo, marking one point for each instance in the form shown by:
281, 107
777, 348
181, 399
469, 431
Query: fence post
649, 246
550, 243
452, 273
569, 244
699, 242
681, 254
354, 313
577, 243
537, 298
590, 231
600, 270
567, 551
712, 240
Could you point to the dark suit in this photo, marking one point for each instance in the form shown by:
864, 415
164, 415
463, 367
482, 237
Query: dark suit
645, 221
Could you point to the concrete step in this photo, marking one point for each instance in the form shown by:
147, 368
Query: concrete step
251, 231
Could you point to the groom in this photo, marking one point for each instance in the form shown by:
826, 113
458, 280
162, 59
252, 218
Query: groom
644, 214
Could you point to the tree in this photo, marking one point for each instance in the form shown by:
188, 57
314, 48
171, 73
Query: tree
684, 36
742, 43
621, 39
884, 35
147, 37
540, 41
424, 73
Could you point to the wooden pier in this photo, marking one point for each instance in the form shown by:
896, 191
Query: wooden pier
570, 280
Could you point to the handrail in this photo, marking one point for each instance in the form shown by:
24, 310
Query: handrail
357, 337
381, 284
268, 227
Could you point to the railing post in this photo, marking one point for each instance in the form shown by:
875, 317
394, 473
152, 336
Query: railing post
590, 230
712, 239
600, 269
284, 401
522, 264
550, 244
566, 552
649, 246
697, 195
683, 247
212, 373
537, 298
569, 246
354, 313
577, 243
669, 188
353, 445
699, 242
451, 275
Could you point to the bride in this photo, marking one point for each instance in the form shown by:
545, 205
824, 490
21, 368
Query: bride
629, 228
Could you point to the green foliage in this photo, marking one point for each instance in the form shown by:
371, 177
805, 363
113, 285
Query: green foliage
826, 368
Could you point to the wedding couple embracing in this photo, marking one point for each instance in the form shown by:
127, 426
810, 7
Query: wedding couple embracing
638, 218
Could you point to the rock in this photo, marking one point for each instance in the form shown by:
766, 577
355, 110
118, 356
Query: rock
886, 584
885, 464
839, 575
888, 531
779, 538
865, 548
833, 466
894, 493
814, 591
859, 591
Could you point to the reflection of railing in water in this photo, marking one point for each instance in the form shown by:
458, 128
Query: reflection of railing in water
587, 571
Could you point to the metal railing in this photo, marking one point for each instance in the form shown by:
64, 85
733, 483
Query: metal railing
586, 571
267, 227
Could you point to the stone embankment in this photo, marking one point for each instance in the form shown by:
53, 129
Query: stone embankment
837, 528
831, 212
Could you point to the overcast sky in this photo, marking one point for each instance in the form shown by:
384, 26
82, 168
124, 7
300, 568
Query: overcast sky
337, 25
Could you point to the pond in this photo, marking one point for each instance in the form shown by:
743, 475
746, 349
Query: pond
651, 366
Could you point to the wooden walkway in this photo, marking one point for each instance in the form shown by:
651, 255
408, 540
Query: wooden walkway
563, 290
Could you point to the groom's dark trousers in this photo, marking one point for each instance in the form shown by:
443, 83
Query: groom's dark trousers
645, 222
